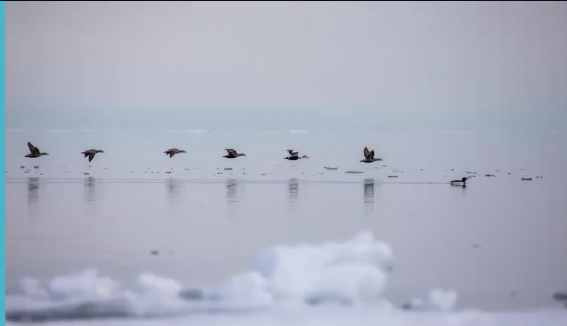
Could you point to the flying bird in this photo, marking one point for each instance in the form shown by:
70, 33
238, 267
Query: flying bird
232, 153
369, 156
293, 156
34, 151
91, 153
173, 151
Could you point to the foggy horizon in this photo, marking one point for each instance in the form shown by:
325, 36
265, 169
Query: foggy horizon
348, 66
279, 120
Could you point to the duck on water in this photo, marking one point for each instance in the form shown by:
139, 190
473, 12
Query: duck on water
91, 153
293, 156
369, 156
173, 151
34, 151
460, 183
232, 153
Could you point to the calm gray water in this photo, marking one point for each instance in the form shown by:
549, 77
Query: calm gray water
499, 243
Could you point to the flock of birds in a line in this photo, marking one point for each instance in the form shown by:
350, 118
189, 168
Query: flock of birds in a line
231, 153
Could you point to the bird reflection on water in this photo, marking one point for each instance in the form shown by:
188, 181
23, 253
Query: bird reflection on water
369, 191
369, 195
293, 190
174, 186
33, 195
90, 189
231, 191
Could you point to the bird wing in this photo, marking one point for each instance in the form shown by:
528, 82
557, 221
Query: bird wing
230, 151
171, 154
371, 154
366, 152
33, 149
290, 151
91, 156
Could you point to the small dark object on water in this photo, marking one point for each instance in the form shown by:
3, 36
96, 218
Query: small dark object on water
155, 252
22, 167
476, 245
461, 182
36, 167
526, 179
86, 173
228, 169
560, 296
392, 176
489, 175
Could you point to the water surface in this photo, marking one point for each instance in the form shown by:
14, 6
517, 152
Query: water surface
499, 243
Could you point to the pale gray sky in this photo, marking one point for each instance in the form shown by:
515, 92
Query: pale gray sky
405, 61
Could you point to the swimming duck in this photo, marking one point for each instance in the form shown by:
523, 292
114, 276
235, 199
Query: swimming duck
293, 156
232, 153
461, 183
173, 151
369, 156
34, 151
91, 153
